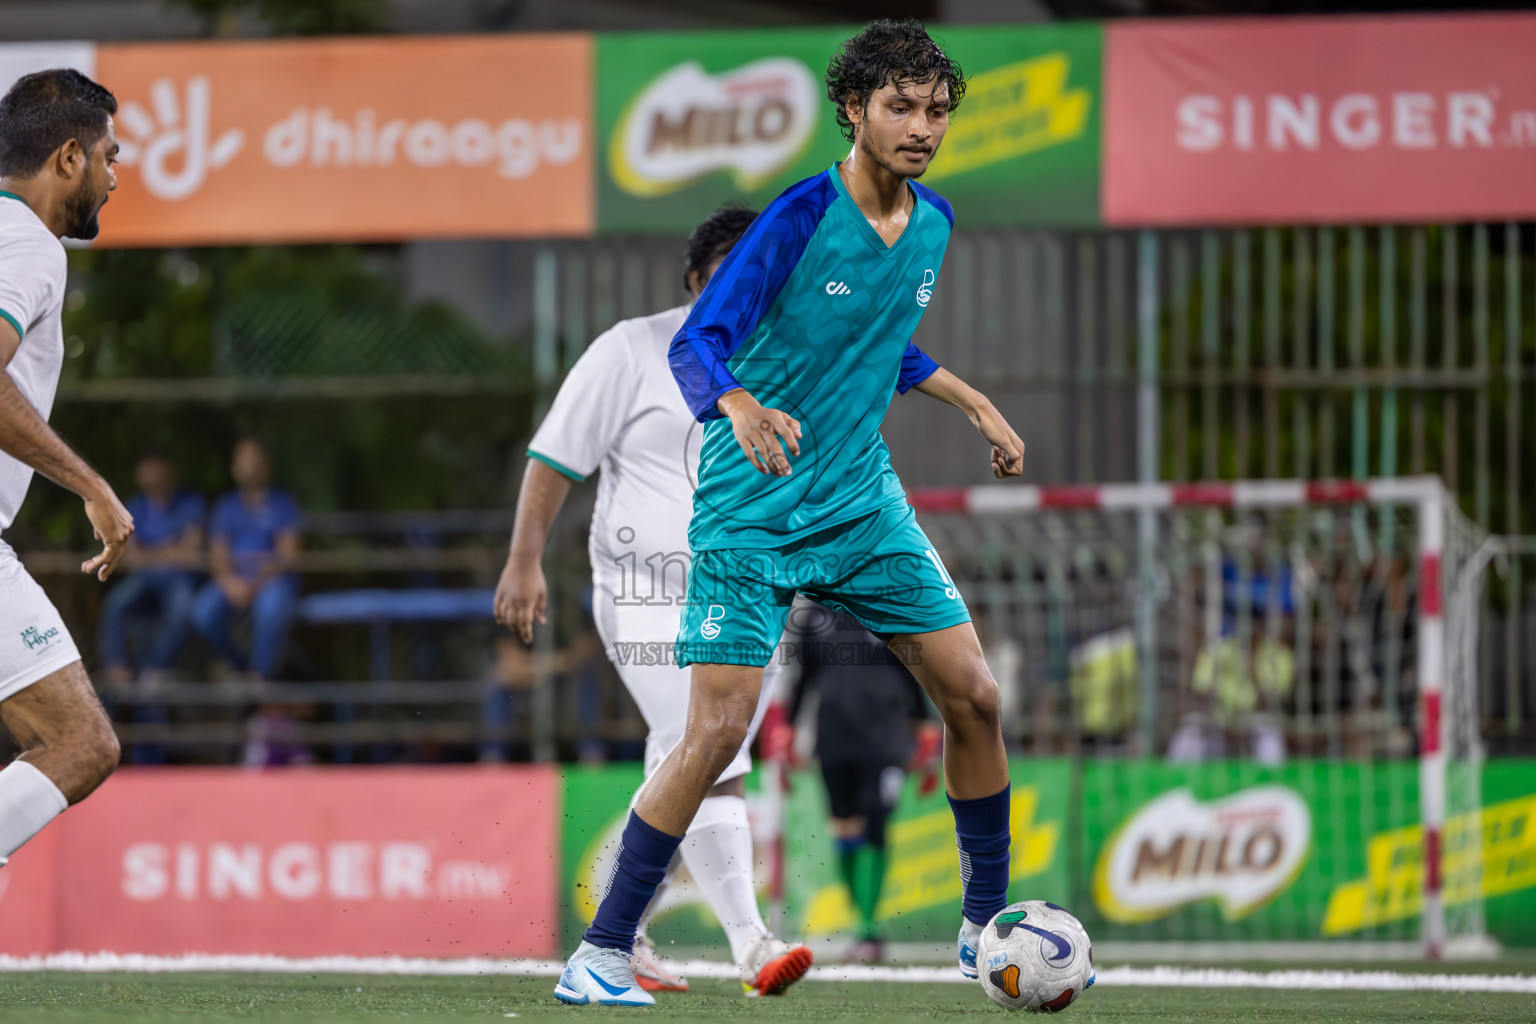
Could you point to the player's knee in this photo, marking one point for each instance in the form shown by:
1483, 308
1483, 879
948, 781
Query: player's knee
725, 742
96, 756
974, 703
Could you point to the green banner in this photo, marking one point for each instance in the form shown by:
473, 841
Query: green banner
686, 121
921, 899
1139, 850
1304, 851
922, 890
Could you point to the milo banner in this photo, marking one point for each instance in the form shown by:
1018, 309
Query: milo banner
1309, 850
686, 121
1140, 850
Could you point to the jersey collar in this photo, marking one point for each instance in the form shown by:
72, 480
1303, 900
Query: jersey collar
865, 228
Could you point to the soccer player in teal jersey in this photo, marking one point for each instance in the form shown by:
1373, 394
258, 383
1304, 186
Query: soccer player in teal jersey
798, 343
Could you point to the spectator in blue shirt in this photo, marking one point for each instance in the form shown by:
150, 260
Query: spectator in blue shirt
164, 554
253, 541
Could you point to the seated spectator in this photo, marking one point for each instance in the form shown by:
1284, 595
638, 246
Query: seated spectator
164, 553
253, 541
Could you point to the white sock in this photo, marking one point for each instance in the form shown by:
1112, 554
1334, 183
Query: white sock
718, 852
28, 801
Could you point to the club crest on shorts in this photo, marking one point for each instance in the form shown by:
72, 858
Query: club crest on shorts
35, 638
710, 628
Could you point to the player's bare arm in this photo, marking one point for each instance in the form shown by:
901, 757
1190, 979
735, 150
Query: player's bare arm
26, 436
758, 431
1007, 448
521, 593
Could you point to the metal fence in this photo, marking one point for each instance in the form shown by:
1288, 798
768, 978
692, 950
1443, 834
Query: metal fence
1308, 352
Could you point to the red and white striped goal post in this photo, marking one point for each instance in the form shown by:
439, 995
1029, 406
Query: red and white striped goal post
1425, 493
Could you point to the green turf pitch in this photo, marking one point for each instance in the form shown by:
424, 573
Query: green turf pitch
213, 998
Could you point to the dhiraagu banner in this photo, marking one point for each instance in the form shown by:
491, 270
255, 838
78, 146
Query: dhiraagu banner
686, 121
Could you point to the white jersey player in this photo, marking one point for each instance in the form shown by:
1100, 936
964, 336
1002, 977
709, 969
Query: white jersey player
57, 148
620, 410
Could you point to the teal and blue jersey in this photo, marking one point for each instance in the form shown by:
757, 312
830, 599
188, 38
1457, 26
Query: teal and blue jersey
813, 314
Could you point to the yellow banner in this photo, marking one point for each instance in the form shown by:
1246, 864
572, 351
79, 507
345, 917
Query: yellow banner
924, 870
1487, 853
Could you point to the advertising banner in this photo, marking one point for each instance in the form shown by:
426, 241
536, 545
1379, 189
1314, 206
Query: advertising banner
368, 862
350, 140
921, 899
1320, 120
1307, 850
688, 120
922, 888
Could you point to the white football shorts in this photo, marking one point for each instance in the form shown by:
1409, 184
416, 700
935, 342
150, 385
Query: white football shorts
34, 642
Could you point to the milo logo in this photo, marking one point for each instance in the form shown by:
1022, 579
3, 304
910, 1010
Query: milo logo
753, 121
1241, 851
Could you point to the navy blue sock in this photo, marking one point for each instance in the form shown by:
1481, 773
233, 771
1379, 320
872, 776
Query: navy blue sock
981, 832
644, 854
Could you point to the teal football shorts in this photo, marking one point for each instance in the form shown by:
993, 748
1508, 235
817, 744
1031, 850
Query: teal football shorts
880, 568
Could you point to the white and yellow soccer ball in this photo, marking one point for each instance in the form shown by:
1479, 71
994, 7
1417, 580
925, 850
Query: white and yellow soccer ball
1034, 956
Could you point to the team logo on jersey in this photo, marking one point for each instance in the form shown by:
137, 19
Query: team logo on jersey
711, 625
838, 288
925, 290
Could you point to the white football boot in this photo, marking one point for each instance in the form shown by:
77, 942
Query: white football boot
602, 976
970, 939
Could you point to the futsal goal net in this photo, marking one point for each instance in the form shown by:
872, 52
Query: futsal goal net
1264, 693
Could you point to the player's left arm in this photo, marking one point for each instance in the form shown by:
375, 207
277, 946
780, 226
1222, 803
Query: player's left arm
1007, 448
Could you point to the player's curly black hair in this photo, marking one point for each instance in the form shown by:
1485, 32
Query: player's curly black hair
713, 239
888, 51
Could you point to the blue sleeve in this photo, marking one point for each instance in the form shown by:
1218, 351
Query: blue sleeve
190, 513
741, 291
916, 367
285, 510
220, 523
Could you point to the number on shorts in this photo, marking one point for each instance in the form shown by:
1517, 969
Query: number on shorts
949, 584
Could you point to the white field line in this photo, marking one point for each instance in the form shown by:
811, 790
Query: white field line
1128, 977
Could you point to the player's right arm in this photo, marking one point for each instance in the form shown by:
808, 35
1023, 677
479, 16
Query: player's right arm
521, 593
26, 437
584, 422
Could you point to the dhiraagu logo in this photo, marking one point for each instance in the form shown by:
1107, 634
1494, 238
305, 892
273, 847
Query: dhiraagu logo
1012, 111
710, 628
754, 121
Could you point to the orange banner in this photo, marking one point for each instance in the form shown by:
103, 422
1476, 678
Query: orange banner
347, 861
350, 140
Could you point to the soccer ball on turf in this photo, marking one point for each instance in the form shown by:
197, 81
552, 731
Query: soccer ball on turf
1034, 956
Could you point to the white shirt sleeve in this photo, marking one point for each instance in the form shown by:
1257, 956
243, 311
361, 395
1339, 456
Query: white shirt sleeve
29, 272
591, 408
